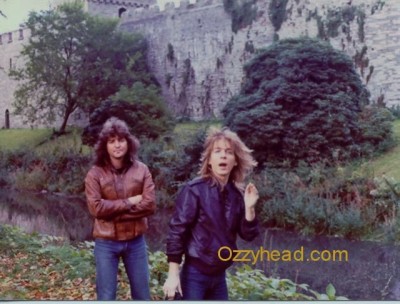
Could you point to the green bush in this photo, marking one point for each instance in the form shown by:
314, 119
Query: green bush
63, 171
35, 179
376, 134
302, 101
252, 284
172, 162
139, 106
395, 110
325, 200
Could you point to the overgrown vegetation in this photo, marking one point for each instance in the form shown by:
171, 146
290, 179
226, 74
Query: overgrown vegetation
57, 169
140, 106
36, 267
12, 139
357, 200
252, 284
60, 164
73, 62
302, 100
338, 20
277, 13
243, 13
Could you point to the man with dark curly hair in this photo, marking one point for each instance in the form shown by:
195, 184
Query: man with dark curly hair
120, 196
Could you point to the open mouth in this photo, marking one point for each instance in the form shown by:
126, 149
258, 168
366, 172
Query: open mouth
223, 165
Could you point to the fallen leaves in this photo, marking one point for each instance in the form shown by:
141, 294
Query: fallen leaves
37, 270
34, 277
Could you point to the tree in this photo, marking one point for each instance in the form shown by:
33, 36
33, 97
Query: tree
139, 106
300, 101
74, 61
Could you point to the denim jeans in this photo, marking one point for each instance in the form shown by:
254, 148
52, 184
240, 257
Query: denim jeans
199, 286
134, 256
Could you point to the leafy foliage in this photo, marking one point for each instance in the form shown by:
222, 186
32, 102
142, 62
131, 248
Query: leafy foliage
376, 129
37, 267
327, 200
58, 169
140, 106
252, 284
73, 61
301, 101
172, 162
395, 110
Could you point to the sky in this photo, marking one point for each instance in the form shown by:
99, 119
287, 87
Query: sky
15, 12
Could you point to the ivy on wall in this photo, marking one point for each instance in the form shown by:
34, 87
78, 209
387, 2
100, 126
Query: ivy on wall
338, 21
277, 13
243, 13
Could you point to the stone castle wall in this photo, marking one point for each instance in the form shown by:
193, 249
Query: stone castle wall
198, 59
206, 68
10, 47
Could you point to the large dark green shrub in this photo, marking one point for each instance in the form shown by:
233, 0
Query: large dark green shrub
139, 106
301, 100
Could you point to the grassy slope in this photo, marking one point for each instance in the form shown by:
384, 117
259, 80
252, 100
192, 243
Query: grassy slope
40, 139
19, 138
388, 163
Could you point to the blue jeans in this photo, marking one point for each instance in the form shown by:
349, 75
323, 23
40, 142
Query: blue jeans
134, 256
199, 286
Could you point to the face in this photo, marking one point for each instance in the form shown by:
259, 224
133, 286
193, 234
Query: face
222, 160
117, 147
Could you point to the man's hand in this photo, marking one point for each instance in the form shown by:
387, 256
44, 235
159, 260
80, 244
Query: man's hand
173, 283
135, 199
250, 199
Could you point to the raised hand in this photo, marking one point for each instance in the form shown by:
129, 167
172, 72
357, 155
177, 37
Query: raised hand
250, 196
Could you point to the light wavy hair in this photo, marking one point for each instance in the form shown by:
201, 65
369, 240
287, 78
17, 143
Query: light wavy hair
244, 159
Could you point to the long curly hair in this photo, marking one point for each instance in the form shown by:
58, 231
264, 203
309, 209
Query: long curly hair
115, 127
244, 159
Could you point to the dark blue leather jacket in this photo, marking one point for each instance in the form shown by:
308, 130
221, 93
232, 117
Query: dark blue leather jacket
206, 219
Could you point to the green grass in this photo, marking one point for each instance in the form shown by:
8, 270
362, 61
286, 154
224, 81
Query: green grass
14, 139
41, 140
71, 140
387, 164
186, 130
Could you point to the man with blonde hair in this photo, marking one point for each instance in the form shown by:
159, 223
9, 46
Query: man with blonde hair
210, 211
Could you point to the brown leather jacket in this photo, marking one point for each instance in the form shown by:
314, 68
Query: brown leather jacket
107, 193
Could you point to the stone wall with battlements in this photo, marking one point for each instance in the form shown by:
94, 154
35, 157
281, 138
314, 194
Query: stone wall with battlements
206, 67
198, 59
